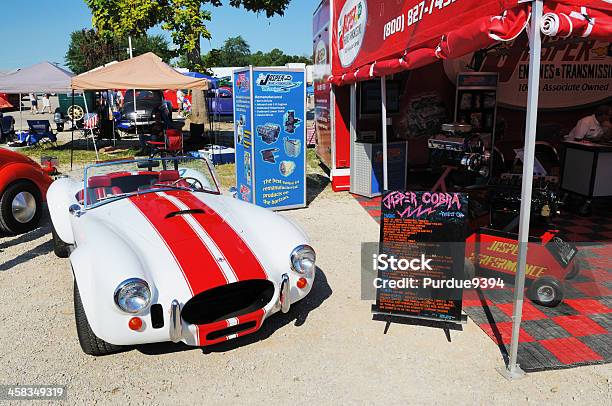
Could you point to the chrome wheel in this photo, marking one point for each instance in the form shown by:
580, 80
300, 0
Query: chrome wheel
23, 207
546, 294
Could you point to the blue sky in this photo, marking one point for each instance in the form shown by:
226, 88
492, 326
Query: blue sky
39, 30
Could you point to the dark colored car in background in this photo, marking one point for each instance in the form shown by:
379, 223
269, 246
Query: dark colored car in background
147, 104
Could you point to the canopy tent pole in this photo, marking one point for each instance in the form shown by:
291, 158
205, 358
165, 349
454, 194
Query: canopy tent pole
513, 370
109, 111
134, 90
352, 131
72, 130
383, 97
93, 138
20, 113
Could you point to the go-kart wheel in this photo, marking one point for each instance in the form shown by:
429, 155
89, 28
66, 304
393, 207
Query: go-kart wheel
61, 249
20, 207
546, 291
90, 343
75, 112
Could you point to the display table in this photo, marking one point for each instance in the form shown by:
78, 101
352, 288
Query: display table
587, 169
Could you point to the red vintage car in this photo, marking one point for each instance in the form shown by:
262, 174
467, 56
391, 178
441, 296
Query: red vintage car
23, 187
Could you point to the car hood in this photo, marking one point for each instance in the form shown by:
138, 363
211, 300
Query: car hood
198, 237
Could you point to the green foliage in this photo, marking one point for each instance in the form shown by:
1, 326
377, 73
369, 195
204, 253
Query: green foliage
236, 52
88, 49
184, 19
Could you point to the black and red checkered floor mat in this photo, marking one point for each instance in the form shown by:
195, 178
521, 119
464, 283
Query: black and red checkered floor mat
576, 332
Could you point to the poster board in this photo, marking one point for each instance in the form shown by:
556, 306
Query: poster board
431, 227
271, 143
243, 132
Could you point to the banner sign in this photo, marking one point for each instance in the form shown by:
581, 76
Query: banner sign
365, 31
574, 71
427, 231
271, 171
243, 133
322, 88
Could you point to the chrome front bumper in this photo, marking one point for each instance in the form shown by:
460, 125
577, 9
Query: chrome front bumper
176, 326
283, 297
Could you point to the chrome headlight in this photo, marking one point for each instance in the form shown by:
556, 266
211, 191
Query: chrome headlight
133, 295
303, 260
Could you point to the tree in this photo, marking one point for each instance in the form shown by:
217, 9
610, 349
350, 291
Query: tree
236, 52
88, 49
184, 19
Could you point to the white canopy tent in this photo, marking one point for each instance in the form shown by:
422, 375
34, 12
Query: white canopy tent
43, 77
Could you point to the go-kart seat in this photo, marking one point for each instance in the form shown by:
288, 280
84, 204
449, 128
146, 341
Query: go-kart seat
98, 187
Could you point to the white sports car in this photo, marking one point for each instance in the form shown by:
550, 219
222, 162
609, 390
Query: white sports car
159, 254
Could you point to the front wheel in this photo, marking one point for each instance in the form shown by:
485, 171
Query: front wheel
20, 208
90, 343
546, 291
60, 248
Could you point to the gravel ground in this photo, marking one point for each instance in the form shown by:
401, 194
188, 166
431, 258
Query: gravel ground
326, 350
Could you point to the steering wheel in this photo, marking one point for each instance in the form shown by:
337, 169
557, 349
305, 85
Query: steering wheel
192, 182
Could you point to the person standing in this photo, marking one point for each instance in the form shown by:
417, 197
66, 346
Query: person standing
46, 103
119, 98
180, 97
34, 102
594, 127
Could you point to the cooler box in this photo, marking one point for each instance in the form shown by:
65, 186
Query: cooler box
217, 154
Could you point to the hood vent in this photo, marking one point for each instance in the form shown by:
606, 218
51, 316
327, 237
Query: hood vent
184, 212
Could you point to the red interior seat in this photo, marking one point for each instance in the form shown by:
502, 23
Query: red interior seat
98, 187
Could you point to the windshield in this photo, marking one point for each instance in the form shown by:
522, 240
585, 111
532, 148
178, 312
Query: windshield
143, 95
109, 181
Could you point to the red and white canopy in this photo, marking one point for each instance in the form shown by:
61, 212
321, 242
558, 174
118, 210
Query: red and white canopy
379, 37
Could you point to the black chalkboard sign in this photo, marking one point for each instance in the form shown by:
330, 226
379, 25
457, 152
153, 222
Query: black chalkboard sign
427, 230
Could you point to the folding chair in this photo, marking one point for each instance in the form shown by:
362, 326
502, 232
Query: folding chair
38, 131
171, 146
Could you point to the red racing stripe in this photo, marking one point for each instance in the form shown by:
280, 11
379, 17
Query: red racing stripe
199, 267
242, 259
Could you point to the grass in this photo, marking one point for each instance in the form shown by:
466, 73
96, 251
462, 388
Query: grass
80, 157
227, 175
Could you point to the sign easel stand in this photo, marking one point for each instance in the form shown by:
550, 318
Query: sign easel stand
446, 326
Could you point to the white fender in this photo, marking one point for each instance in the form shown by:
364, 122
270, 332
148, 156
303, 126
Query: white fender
98, 273
60, 196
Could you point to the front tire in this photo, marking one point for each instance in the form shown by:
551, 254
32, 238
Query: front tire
20, 207
61, 249
90, 343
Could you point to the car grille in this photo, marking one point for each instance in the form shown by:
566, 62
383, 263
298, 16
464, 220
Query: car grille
224, 302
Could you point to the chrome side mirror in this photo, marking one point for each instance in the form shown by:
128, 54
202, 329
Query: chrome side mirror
75, 210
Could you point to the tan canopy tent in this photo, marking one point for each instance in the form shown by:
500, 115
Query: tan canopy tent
146, 71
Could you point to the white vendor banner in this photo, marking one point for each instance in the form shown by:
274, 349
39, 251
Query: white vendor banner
575, 71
